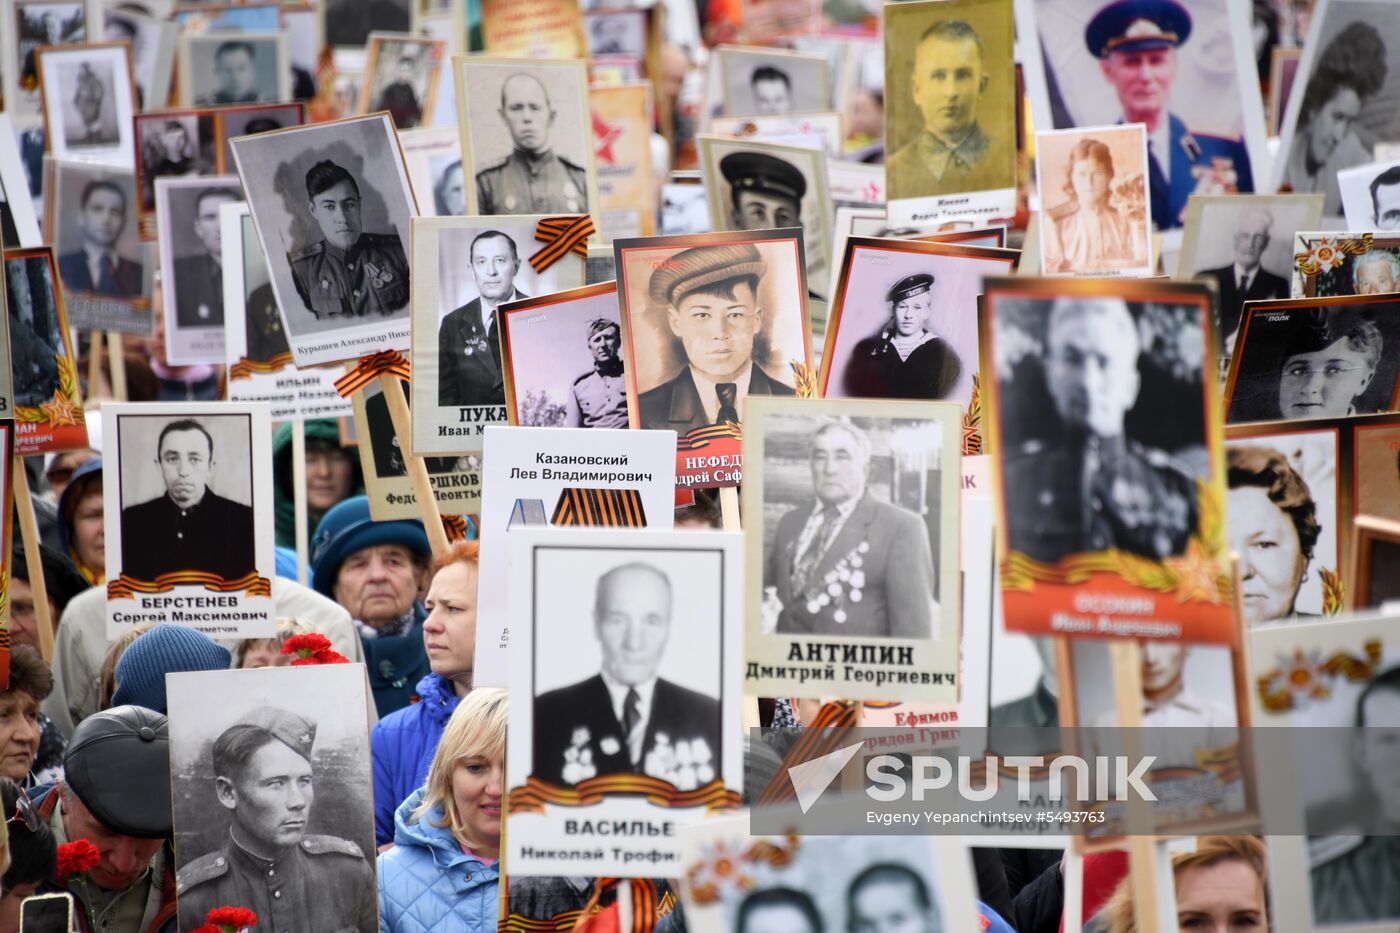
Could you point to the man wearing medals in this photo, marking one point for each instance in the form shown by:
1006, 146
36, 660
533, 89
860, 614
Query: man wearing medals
469, 355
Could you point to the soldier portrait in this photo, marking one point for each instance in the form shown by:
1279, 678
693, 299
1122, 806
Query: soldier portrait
37, 343
1170, 65
171, 146
93, 225
89, 102
1094, 193
403, 76
191, 249
217, 70
527, 136
272, 809
616, 33
756, 81
249, 120
36, 23
90, 118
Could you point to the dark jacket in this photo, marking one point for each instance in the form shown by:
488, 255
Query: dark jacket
1264, 286
199, 292
469, 358
396, 664
876, 371
676, 404
215, 536
73, 269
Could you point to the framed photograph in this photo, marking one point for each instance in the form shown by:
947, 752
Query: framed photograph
318, 193
274, 761
684, 208
401, 77
251, 119
1094, 201
351, 22
642, 497
821, 130
18, 226
835, 882
886, 574
950, 114
189, 516
1371, 196
247, 68
28, 26
479, 263
761, 81
1329, 262
1243, 245
256, 352
172, 144
44, 387
760, 186
1375, 562
535, 107
670, 754
1283, 73
46, 913
561, 356
191, 252
1303, 358
89, 100
617, 33
1111, 481
545, 29
434, 160
872, 222
1376, 470
1343, 69
1205, 113
621, 120
152, 43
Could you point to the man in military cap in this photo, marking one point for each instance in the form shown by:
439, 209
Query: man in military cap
1092, 488
711, 298
199, 279
1136, 42
469, 354
849, 563
291, 879
598, 398
772, 90
764, 191
347, 272
906, 359
533, 179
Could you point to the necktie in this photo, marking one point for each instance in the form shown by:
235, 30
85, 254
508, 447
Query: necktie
727, 392
107, 284
807, 561
631, 715
1244, 283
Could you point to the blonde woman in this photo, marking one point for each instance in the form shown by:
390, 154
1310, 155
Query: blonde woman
446, 856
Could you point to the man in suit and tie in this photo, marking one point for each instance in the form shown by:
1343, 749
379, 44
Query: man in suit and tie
711, 297
626, 719
96, 268
469, 355
1245, 279
199, 279
849, 564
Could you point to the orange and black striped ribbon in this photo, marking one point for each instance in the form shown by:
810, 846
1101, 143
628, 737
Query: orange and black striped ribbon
561, 236
390, 362
245, 368
600, 508
532, 796
828, 730
125, 587
455, 526
701, 437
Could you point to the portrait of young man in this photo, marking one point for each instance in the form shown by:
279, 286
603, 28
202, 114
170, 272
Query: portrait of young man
543, 174
236, 69
199, 277
104, 208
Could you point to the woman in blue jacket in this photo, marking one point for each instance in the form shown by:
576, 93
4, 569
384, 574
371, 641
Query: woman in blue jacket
443, 872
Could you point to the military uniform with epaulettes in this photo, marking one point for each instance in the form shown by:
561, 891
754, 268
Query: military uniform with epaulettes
370, 276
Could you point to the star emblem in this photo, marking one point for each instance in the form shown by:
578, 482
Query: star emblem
604, 135
61, 411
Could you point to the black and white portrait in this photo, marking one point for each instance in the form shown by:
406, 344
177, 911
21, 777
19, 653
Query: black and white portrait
527, 135
89, 103
152, 43
265, 337
350, 22
32, 25
37, 344
271, 777
684, 208
332, 204
192, 254
434, 159
1371, 197
172, 145
93, 227
247, 68
763, 81
621, 33
402, 77
251, 119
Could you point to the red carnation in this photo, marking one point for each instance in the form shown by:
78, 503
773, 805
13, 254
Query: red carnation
77, 857
230, 919
312, 648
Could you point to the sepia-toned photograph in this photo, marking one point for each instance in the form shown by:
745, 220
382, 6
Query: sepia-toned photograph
480, 263
191, 253
89, 102
434, 159
247, 68
616, 33
270, 774
1327, 263
1093, 193
1315, 358
562, 360
761, 81
401, 77
18, 224
527, 137
321, 194
1371, 197
31, 25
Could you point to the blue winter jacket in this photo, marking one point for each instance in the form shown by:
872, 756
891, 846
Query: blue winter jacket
427, 884
402, 745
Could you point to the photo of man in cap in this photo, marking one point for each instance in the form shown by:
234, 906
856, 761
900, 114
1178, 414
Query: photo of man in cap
264, 776
1136, 43
469, 353
712, 310
533, 179
906, 359
598, 398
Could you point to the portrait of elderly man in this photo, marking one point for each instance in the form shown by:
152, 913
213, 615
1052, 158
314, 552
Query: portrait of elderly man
906, 359
627, 719
772, 90
469, 352
710, 294
97, 266
1245, 279
889, 897
533, 179
1088, 486
1376, 272
877, 553
1385, 199
265, 777
188, 526
598, 398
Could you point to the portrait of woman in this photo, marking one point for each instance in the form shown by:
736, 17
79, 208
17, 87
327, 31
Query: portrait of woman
1086, 233
906, 359
1273, 528
1329, 366
1349, 71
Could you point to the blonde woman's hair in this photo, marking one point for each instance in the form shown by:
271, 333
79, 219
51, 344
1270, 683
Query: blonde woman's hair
286, 628
477, 729
1210, 850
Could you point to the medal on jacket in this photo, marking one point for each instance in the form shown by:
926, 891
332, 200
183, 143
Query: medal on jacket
204, 312
510, 203
377, 276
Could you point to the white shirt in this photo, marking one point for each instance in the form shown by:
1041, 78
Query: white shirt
1240, 273
709, 396
618, 694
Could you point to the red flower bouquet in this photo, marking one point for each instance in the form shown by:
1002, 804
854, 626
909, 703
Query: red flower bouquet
228, 920
76, 858
312, 648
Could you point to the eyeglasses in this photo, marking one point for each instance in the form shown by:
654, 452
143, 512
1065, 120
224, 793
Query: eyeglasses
25, 813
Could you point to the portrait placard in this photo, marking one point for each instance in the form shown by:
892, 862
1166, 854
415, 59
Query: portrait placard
1110, 477
89, 99
1331, 262
401, 77
332, 205
950, 115
274, 761
850, 511
350, 22
1094, 201
532, 29
1303, 358
476, 263
872, 222
456, 481
259, 362
48, 407
515, 108
434, 160
28, 26
18, 225
820, 130
621, 121
762, 81
152, 41
635, 489
188, 517
247, 68
689, 377
1371, 196
666, 753
617, 33
191, 253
